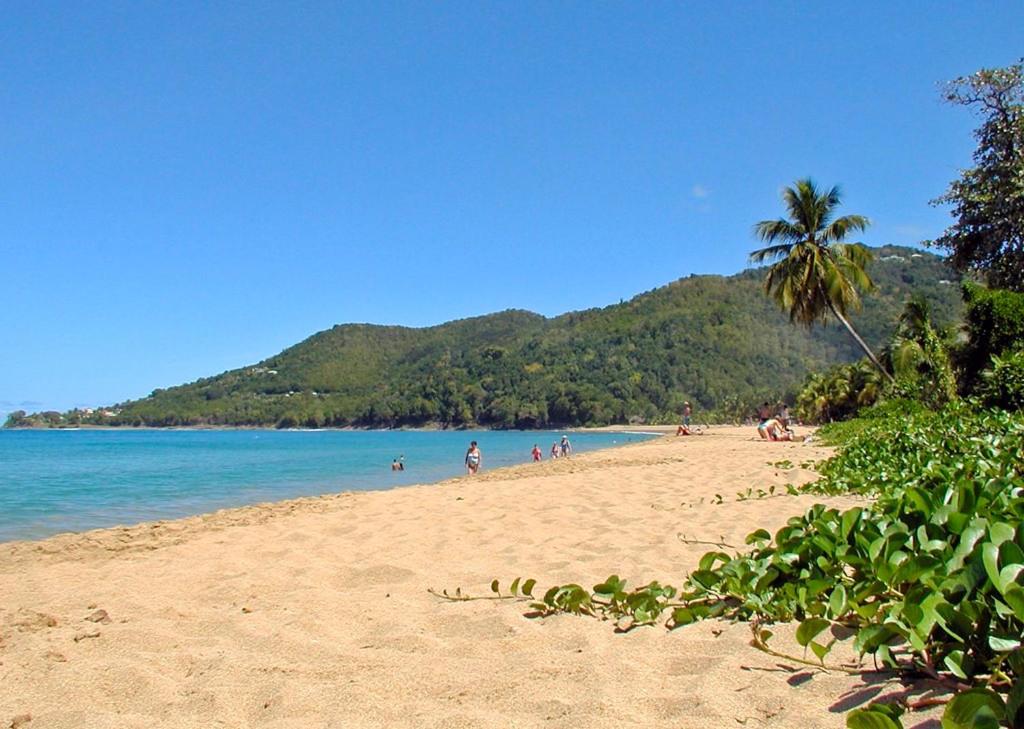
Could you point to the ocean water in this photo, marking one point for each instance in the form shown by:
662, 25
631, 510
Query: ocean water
54, 481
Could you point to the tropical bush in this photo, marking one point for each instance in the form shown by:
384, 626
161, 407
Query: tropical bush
1002, 385
994, 320
919, 355
839, 393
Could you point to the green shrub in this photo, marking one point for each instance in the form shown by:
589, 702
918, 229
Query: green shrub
843, 431
995, 324
1002, 385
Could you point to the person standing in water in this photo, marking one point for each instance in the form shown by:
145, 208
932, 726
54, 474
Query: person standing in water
473, 458
535, 452
554, 450
566, 447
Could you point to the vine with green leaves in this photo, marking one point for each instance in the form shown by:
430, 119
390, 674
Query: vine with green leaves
928, 575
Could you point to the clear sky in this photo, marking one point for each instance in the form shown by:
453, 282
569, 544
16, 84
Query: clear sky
190, 187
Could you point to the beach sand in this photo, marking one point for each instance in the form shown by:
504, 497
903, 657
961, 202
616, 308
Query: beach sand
315, 612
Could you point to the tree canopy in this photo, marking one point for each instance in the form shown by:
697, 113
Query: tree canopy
987, 200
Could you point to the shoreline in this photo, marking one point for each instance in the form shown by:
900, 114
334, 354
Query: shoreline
315, 612
351, 428
224, 515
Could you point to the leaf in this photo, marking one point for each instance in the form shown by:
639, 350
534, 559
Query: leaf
821, 650
848, 520
990, 558
514, 586
683, 616
974, 709
1002, 645
837, 602
868, 719
1001, 532
1014, 597
809, 629
761, 535
494, 587
954, 662
708, 561
528, 587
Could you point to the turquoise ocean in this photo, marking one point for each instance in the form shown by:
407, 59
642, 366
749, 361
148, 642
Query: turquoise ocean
54, 481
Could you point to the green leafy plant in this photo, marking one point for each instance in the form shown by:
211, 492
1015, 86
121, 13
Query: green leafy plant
1003, 384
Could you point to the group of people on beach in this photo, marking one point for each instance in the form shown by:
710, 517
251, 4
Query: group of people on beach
558, 450
474, 459
685, 428
775, 423
561, 450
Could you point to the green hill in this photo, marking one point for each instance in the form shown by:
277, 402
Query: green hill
714, 340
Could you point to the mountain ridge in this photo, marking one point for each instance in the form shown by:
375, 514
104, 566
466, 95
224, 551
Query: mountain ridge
712, 339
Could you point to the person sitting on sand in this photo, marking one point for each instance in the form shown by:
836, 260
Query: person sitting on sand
535, 452
774, 430
473, 458
685, 429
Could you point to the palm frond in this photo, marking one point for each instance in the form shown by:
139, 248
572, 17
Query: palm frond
838, 229
772, 230
770, 254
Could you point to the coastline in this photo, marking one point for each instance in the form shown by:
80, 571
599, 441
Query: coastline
350, 428
314, 611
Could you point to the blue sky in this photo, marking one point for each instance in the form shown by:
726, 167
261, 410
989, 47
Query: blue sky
191, 187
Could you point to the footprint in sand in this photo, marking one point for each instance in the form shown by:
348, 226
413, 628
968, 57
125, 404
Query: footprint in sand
30, 621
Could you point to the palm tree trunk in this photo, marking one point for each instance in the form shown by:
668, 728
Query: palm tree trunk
860, 342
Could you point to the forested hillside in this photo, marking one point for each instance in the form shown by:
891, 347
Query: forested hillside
716, 341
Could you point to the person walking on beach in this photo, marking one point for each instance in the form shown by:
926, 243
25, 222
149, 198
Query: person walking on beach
687, 412
535, 453
473, 458
566, 447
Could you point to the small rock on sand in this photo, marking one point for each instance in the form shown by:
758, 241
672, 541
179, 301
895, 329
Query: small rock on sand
90, 634
100, 616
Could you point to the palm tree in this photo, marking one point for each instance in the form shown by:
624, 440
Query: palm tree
814, 273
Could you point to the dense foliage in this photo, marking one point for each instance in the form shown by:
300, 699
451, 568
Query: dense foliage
995, 325
988, 199
713, 340
919, 355
1002, 386
929, 575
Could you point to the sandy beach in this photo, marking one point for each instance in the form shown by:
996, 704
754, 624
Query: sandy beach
315, 612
